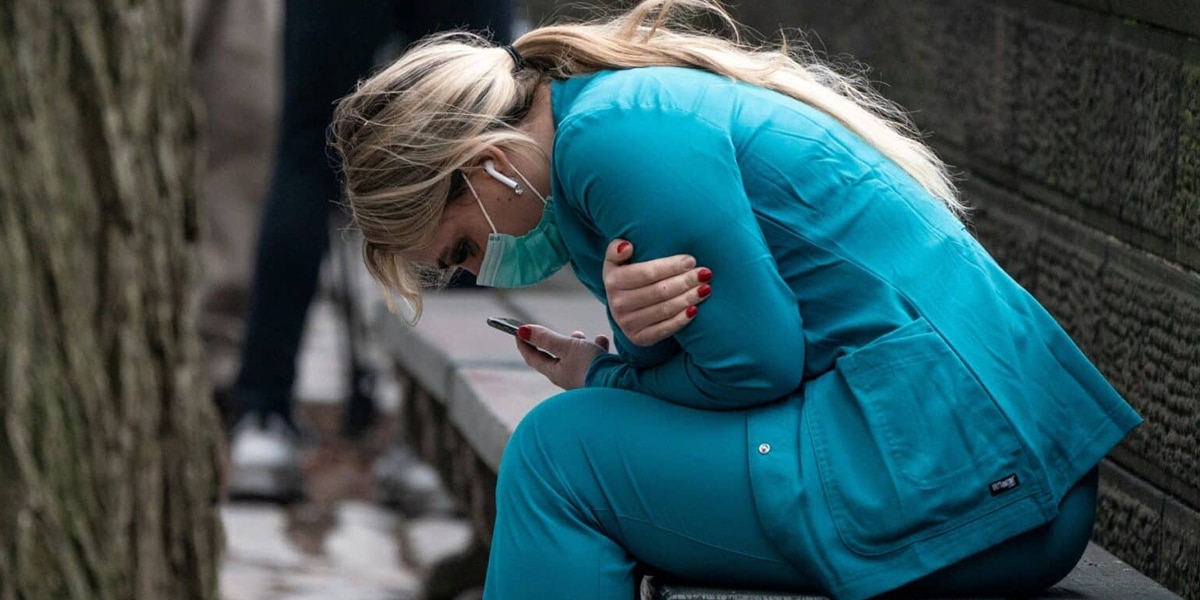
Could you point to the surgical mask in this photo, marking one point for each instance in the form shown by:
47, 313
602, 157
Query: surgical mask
510, 261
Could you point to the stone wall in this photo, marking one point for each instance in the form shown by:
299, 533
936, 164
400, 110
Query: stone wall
1076, 128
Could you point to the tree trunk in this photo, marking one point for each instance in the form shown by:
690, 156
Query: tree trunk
108, 438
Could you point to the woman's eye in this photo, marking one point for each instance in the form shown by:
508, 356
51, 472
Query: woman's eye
460, 253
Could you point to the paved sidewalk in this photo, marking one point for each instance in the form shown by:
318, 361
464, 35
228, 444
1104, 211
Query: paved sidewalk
337, 543
358, 559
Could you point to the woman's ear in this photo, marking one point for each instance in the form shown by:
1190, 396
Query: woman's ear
489, 167
494, 154
494, 162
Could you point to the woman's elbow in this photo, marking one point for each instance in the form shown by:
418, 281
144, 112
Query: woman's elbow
780, 366
780, 377
761, 380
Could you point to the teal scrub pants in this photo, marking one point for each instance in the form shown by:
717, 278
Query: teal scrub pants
595, 481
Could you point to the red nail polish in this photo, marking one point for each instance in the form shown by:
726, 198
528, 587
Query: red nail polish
704, 275
704, 290
622, 246
691, 311
524, 332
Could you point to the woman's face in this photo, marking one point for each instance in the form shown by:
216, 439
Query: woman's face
461, 235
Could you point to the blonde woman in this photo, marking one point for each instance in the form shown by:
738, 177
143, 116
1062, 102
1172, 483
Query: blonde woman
864, 400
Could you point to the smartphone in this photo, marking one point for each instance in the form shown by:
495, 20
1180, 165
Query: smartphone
506, 324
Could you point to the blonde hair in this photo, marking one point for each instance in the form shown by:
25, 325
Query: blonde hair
406, 132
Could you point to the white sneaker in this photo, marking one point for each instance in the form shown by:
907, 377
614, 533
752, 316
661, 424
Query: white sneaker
264, 459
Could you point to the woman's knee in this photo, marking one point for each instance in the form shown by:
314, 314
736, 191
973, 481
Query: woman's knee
546, 438
563, 418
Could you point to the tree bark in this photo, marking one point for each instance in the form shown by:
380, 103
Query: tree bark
108, 437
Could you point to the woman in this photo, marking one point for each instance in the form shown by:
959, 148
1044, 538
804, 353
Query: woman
864, 401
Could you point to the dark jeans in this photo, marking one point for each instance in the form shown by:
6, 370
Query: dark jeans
327, 48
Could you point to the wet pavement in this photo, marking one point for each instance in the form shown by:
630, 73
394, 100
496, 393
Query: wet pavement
338, 542
358, 558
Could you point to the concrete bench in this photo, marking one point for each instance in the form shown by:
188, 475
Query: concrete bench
467, 388
1098, 575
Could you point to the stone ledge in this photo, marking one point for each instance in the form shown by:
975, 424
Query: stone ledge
562, 310
469, 390
1102, 575
452, 333
486, 404
1099, 575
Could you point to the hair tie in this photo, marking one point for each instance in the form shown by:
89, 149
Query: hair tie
518, 60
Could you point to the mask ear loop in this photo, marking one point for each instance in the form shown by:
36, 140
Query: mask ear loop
480, 202
490, 167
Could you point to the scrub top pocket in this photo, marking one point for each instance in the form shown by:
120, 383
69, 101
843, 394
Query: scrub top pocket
908, 443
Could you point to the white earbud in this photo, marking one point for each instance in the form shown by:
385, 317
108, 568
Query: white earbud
489, 167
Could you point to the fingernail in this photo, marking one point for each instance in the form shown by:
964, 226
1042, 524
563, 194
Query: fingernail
704, 290
704, 275
524, 332
621, 247
689, 262
691, 311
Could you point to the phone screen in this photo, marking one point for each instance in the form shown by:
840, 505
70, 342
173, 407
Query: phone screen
506, 324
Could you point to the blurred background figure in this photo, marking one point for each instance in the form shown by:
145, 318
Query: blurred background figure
327, 47
236, 71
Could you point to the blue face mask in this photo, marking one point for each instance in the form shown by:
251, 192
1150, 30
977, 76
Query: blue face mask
511, 262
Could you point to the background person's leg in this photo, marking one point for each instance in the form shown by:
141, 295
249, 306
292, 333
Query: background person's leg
327, 47
236, 71
596, 480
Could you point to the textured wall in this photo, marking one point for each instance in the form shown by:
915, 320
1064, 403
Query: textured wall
1077, 127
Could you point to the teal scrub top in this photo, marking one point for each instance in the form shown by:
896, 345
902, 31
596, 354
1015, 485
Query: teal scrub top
881, 354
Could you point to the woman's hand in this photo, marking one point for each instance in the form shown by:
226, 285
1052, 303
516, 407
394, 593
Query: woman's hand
651, 301
571, 358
